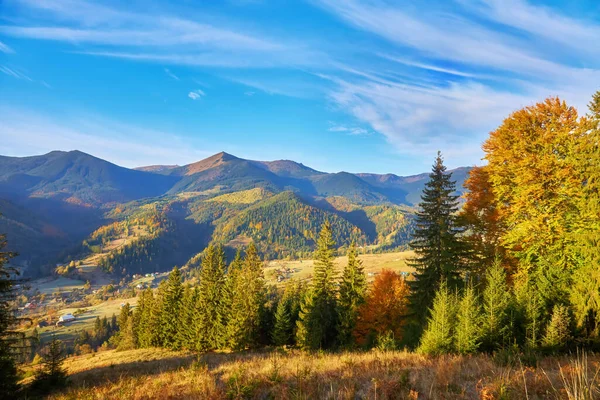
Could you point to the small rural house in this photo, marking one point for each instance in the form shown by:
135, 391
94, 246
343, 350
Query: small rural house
65, 318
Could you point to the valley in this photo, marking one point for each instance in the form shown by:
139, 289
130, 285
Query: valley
81, 217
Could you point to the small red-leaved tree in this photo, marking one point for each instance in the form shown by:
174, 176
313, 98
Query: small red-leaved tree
382, 314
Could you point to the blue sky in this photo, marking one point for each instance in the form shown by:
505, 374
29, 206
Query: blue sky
360, 86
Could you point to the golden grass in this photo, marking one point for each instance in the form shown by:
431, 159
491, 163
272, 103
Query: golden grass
372, 263
160, 374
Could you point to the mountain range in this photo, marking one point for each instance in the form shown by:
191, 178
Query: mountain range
52, 202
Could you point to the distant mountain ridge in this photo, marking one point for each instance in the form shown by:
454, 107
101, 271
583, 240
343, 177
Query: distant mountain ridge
82, 178
52, 202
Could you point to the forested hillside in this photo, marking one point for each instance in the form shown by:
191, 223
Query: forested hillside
51, 204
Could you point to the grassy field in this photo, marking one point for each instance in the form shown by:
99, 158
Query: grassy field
160, 374
83, 321
52, 285
373, 264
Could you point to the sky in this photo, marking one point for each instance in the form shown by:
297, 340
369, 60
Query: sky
339, 85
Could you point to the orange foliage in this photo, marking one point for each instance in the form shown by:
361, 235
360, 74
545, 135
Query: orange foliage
384, 309
532, 175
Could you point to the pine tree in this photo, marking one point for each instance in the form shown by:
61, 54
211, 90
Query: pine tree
436, 241
247, 304
468, 332
155, 316
170, 309
185, 324
127, 339
8, 370
282, 331
143, 329
231, 280
123, 323
558, 332
318, 315
51, 375
497, 301
210, 330
531, 309
353, 289
438, 336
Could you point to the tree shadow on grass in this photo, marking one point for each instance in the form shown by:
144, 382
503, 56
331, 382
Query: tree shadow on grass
110, 373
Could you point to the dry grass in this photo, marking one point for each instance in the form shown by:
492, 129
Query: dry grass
152, 373
373, 263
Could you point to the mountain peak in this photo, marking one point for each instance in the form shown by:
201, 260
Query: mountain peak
208, 163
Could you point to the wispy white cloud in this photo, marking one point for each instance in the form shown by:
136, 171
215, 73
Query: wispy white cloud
541, 21
249, 93
14, 73
27, 132
495, 71
172, 75
196, 94
4, 48
349, 130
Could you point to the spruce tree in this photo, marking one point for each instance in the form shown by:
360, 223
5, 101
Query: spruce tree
8, 370
52, 374
497, 301
210, 330
558, 332
318, 315
127, 340
440, 252
231, 281
155, 316
282, 331
353, 289
531, 309
170, 309
123, 322
185, 324
438, 336
468, 332
143, 329
247, 303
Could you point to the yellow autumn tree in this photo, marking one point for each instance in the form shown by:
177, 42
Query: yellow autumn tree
534, 179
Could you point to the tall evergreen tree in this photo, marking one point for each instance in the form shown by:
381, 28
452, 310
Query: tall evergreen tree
52, 374
439, 334
231, 281
531, 308
287, 313
353, 288
497, 301
436, 241
247, 304
185, 325
468, 332
8, 371
283, 329
143, 312
210, 330
170, 309
318, 315
558, 332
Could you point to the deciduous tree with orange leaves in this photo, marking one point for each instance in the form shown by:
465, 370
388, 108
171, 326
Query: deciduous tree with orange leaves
384, 310
534, 179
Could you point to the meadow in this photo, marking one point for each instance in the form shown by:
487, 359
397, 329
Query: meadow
302, 270
293, 374
84, 320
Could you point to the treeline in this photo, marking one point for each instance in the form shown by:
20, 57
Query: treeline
231, 308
